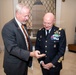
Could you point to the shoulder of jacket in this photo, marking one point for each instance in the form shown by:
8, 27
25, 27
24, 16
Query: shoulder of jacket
41, 29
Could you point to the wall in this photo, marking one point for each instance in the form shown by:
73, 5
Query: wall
68, 17
6, 13
37, 10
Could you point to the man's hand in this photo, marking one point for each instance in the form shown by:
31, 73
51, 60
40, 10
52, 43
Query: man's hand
47, 66
36, 54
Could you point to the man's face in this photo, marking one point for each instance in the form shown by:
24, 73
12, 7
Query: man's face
48, 21
24, 16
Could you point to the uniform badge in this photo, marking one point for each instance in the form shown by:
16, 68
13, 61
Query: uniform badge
40, 36
56, 35
60, 59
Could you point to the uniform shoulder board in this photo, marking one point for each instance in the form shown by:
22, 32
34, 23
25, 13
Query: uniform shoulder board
60, 28
60, 59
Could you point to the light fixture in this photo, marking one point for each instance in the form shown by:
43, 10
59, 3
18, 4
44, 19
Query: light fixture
63, 0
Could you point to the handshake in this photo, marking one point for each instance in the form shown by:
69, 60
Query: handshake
37, 54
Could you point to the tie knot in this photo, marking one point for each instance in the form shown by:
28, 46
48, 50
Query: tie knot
47, 31
23, 26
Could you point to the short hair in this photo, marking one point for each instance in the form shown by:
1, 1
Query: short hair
19, 7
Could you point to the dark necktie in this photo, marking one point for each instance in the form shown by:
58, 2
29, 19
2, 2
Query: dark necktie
47, 32
27, 39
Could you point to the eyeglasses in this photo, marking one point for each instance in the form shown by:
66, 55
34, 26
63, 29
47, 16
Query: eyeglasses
45, 23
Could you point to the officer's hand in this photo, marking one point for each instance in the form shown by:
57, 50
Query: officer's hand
48, 66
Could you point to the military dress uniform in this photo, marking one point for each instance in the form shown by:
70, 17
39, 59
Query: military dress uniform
53, 45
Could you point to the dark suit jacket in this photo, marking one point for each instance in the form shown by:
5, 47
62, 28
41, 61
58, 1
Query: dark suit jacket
16, 56
52, 45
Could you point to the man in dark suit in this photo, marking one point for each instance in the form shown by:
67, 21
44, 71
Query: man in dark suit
51, 40
18, 50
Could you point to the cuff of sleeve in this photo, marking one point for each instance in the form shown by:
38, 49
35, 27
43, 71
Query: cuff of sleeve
41, 62
53, 66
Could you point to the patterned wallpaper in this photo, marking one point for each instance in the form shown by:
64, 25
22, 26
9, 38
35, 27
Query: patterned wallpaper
49, 5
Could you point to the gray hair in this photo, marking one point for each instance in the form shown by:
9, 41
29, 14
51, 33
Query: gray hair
19, 7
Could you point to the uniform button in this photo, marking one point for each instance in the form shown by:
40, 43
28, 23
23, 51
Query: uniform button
45, 51
45, 46
54, 45
54, 41
45, 56
46, 41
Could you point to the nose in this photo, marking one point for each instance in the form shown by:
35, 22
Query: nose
27, 17
45, 24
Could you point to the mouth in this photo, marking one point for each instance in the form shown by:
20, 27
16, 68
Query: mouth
46, 27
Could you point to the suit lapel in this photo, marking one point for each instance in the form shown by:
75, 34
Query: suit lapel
19, 30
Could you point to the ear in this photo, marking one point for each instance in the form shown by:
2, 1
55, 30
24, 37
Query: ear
54, 20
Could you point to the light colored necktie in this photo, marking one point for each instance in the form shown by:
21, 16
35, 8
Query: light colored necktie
27, 39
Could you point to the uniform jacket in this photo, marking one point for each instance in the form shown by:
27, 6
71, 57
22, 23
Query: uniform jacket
16, 55
52, 45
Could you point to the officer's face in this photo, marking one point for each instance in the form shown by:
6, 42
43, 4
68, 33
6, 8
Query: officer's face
48, 22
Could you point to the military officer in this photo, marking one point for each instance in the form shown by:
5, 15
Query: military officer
51, 40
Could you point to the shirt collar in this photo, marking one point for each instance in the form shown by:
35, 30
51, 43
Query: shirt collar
19, 24
49, 30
